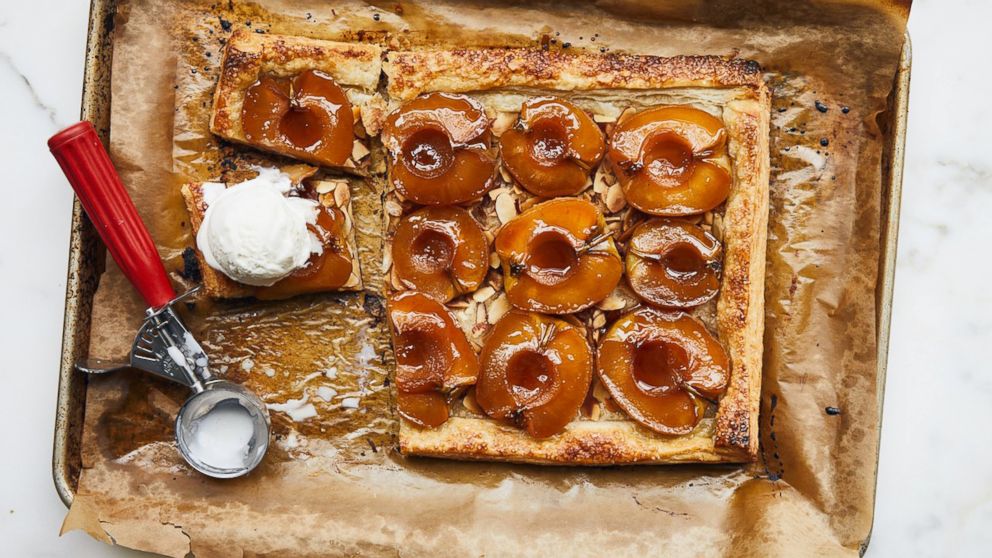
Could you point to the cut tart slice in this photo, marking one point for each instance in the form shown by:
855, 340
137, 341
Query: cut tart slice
304, 98
330, 262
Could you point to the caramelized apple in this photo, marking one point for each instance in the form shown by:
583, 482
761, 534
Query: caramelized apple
433, 357
661, 369
328, 270
535, 372
674, 264
557, 257
671, 161
552, 148
307, 117
440, 251
426, 410
439, 149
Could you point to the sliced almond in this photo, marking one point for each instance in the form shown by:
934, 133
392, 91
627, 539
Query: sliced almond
359, 151
480, 314
604, 118
467, 317
393, 207
600, 392
603, 180
483, 294
324, 186
470, 403
529, 203
479, 330
503, 122
718, 227
387, 259
495, 192
708, 217
505, 174
598, 319
494, 260
498, 307
595, 412
342, 194
613, 301
615, 201
506, 207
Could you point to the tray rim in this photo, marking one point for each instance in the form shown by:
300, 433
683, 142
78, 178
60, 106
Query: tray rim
95, 107
83, 242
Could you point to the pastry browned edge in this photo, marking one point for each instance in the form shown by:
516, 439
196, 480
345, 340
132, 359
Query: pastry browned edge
502, 79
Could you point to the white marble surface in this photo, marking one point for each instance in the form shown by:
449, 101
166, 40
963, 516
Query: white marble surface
935, 478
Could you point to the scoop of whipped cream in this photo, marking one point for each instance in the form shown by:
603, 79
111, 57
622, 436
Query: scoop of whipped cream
254, 232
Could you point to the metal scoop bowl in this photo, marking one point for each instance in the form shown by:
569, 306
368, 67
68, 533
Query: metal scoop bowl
222, 430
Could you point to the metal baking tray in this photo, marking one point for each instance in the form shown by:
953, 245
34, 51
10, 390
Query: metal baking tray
86, 252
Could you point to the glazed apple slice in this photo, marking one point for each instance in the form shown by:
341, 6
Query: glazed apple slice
557, 258
307, 116
673, 263
438, 148
440, 251
535, 372
671, 161
662, 368
552, 148
432, 356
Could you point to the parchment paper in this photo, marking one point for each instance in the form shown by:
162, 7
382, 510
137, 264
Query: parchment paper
335, 484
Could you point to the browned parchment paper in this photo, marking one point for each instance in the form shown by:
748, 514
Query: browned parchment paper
335, 484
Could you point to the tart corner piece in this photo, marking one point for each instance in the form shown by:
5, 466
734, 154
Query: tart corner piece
334, 194
251, 58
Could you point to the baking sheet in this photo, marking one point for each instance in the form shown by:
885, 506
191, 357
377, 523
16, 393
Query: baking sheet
327, 490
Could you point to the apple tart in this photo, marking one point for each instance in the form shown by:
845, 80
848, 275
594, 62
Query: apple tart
595, 225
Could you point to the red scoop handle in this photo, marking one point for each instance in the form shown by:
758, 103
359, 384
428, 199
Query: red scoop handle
87, 166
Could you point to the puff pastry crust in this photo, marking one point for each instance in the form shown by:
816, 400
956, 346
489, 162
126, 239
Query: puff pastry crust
247, 56
605, 85
411, 73
332, 193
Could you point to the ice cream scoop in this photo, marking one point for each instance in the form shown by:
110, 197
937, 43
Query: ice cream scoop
254, 232
222, 430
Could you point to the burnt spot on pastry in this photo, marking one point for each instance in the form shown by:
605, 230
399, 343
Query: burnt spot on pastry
191, 266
